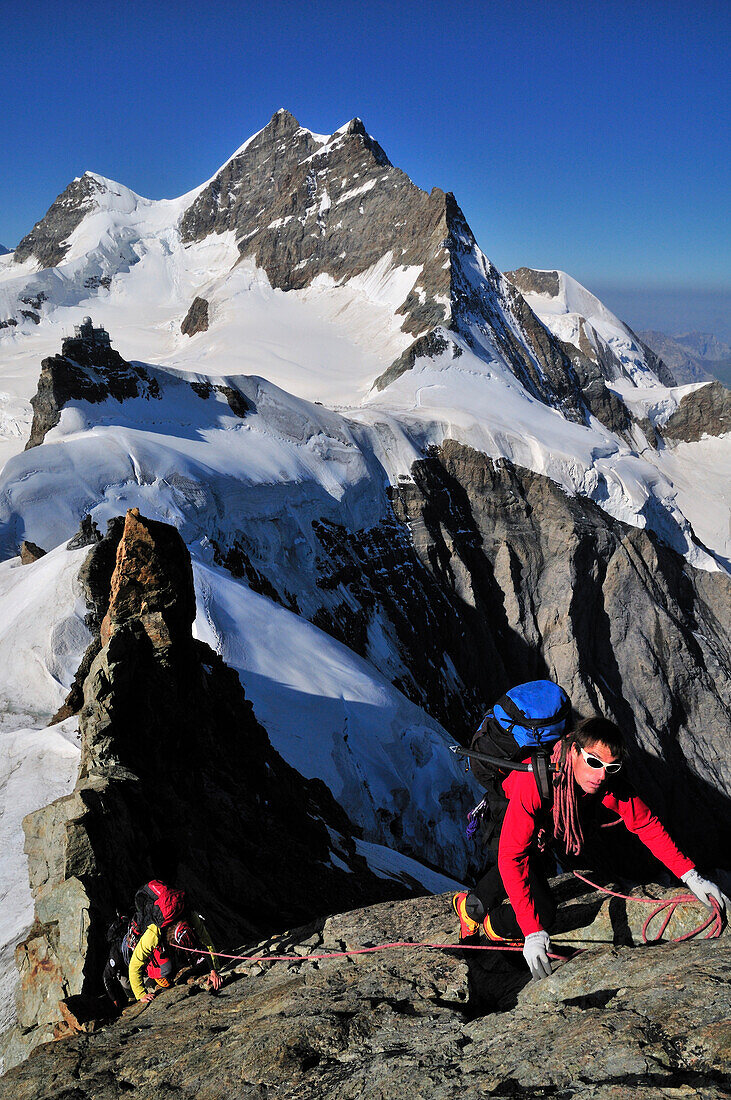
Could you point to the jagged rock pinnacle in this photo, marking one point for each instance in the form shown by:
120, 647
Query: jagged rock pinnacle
152, 582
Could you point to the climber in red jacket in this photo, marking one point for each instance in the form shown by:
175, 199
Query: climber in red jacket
588, 760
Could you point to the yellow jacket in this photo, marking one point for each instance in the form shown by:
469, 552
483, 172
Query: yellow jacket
151, 939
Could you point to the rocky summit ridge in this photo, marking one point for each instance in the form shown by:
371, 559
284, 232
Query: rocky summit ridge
616, 1021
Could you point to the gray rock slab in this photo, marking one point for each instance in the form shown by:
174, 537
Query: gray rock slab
614, 1022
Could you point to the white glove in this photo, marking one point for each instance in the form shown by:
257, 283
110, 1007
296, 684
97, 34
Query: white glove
535, 953
705, 890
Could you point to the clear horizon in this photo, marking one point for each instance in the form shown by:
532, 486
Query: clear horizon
591, 141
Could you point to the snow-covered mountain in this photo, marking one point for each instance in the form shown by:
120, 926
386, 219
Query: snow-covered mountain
576, 316
342, 282
405, 479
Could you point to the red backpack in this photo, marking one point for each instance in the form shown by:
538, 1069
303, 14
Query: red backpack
156, 903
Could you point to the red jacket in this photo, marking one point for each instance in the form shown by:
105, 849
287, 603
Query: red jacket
521, 824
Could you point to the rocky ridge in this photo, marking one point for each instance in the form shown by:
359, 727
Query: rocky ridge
177, 780
47, 242
615, 1021
94, 374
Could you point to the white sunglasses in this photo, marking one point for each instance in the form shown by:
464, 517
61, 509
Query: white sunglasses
596, 763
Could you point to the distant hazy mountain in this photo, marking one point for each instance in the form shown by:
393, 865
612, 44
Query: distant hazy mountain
692, 356
4, 251
704, 344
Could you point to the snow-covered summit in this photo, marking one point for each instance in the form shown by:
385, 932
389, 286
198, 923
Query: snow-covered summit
311, 261
575, 315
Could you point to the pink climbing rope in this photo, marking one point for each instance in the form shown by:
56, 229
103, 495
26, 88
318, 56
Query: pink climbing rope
566, 823
361, 951
712, 926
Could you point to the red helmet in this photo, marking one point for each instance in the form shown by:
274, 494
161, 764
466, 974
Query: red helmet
182, 935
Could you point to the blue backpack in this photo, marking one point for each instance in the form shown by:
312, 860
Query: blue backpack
519, 734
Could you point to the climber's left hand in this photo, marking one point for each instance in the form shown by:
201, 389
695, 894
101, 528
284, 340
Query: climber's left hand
706, 891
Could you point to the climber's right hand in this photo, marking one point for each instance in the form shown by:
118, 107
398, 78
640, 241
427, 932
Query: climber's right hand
146, 998
535, 953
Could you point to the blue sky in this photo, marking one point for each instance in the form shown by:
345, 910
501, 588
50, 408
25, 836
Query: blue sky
588, 136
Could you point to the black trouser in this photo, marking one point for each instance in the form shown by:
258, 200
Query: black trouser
489, 897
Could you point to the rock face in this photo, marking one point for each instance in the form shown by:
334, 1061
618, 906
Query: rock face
93, 375
152, 584
613, 1022
30, 552
530, 281
47, 240
509, 579
601, 402
87, 535
301, 207
363, 584
196, 319
588, 341
177, 781
624, 623
705, 411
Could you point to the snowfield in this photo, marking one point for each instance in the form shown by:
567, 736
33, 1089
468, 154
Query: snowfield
37, 766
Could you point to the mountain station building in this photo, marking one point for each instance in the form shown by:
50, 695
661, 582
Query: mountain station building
86, 335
